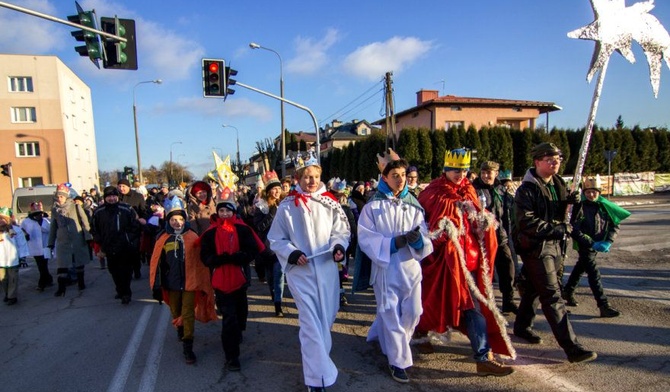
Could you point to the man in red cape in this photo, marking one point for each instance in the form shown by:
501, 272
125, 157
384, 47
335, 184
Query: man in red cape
456, 288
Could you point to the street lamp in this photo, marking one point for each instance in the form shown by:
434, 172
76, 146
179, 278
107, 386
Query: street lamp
170, 179
282, 139
137, 137
237, 135
182, 167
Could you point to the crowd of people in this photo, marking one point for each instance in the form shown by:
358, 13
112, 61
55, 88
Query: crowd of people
432, 254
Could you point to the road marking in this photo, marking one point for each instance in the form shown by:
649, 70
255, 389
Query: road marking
121, 376
150, 374
545, 376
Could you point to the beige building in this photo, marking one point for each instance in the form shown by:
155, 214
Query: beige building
435, 112
46, 125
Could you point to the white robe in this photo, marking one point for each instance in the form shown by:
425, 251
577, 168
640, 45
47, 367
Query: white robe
396, 278
39, 235
312, 228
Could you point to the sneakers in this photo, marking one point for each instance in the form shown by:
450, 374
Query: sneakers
343, 300
569, 298
528, 335
316, 389
233, 365
578, 354
510, 307
608, 311
400, 375
493, 368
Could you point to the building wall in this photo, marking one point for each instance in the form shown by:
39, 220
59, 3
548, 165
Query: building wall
63, 128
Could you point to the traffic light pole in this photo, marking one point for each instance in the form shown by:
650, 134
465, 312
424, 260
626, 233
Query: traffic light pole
305, 108
61, 21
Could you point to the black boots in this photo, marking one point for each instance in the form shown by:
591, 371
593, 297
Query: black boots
278, 310
80, 281
608, 311
189, 355
62, 283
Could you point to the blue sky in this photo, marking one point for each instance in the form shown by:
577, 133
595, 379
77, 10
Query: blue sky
334, 55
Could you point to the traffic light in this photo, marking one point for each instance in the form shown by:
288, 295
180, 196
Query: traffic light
119, 55
6, 168
213, 80
229, 82
92, 48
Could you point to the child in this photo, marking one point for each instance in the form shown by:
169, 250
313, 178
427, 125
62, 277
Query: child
13, 247
37, 226
595, 224
179, 278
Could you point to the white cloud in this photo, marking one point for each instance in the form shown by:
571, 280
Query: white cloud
26, 34
396, 54
311, 56
239, 108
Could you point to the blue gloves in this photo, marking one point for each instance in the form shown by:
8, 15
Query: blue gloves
602, 246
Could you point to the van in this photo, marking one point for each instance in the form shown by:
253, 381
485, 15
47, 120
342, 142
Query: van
43, 193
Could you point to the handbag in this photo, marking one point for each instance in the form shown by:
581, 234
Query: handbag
228, 278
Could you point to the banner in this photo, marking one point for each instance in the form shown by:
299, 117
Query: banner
628, 184
662, 182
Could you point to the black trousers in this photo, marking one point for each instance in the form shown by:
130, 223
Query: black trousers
506, 272
43, 268
234, 308
542, 287
587, 263
121, 267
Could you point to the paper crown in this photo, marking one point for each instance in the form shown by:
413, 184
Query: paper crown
593, 183
174, 205
338, 185
270, 179
457, 159
63, 189
6, 211
228, 202
388, 157
505, 175
310, 161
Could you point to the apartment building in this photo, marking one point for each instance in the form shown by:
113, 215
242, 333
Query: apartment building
46, 125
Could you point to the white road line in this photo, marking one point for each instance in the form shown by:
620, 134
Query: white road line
118, 382
150, 374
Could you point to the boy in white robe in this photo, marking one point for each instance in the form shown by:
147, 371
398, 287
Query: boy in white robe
391, 231
309, 235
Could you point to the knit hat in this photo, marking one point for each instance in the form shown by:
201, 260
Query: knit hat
123, 181
110, 191
63, 190
270, 180
411, 169
458, 159
200, 186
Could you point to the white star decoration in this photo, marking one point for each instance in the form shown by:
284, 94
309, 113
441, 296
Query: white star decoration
616, 26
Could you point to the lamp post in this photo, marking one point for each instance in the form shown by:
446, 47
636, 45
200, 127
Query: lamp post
137, 137
170, 179
237, 136
282, 139
182, 167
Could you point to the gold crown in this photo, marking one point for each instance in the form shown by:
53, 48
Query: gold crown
388, 157
593, 183
457, 159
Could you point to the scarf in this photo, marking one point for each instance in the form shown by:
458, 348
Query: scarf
616, 213
225, 238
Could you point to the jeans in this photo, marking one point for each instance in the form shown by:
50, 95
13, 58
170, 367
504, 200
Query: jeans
276, 280
587, 263
476, 326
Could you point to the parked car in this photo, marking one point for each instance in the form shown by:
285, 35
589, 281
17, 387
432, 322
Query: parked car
24, 196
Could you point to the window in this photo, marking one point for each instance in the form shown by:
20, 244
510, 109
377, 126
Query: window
22, 115
455, 108
25, 182
20, 84
28, 149
456, 124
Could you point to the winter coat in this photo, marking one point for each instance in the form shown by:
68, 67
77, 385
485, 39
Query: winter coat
135, 200
494, 204
199, 212
37, 226
13, 246
116, 228
69, 234
591, 223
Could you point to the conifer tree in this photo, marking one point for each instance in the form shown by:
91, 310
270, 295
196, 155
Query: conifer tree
437, 138
425, 161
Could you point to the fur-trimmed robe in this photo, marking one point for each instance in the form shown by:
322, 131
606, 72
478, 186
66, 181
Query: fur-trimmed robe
197, 275
451, 209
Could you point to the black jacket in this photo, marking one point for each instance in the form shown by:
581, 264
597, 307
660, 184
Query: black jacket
116, 228
591, 223
494, 204
135, 200
537, 217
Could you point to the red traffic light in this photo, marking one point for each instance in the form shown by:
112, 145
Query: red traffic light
213, 67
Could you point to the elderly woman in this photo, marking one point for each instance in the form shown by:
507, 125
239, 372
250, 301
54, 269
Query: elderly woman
69, 234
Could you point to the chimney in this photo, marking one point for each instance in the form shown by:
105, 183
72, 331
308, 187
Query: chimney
425, 96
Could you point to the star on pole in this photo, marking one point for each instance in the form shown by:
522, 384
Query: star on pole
227, 179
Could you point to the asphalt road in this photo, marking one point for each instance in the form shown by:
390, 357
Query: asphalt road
87, 341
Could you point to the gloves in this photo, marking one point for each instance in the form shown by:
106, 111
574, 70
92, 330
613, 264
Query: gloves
338, 253
414, 235
239, 258
400, 241
294, 256
602, 246
573, 197
157, 294
562, 230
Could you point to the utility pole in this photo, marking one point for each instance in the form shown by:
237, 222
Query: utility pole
390, 111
